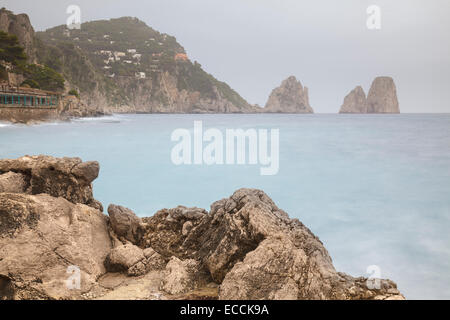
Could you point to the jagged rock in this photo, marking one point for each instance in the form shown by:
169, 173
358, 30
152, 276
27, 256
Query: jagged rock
282, 259
290, 97
123, 257
187, 227
164, 231
182, 276
382, 97
280, 270
246, 245
355, 102
13, 182
69, 178
236, 226
41, 236
87, 171
256, 251
154, 261
125, 223
133, 260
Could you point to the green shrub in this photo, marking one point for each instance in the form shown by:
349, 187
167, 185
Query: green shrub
45, 77
10, 50
74, 92
31, 83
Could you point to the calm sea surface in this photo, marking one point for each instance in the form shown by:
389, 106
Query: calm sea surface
374, 188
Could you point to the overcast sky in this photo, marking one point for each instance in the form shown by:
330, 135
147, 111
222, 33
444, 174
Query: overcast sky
254, 44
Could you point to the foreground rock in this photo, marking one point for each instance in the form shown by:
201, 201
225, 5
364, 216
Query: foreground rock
13, 182
244, 248
69, 178
134, 260
182, 276
290, 97
255, 251
125, 223
382, 98
41, 237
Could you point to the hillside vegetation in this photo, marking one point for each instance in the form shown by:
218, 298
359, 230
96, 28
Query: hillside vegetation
103, 54
36, 76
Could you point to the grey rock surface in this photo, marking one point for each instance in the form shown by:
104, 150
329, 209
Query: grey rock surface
69, 178
125, 223
41, 237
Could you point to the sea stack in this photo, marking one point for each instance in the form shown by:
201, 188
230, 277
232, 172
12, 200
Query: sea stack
382, 98
290, 97
355, 102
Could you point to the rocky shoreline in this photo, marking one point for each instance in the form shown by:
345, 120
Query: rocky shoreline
245, 247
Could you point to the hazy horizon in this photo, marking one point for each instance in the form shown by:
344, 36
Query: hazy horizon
254, 45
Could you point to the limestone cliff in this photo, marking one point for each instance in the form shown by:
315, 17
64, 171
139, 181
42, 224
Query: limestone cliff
244, 248
20, 26
290, 97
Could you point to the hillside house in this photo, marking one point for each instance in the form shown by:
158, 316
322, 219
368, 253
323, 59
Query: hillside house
110, 59
118, 55
140, 75
181, 57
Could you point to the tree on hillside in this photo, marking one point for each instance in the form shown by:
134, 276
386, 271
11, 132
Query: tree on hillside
10, 50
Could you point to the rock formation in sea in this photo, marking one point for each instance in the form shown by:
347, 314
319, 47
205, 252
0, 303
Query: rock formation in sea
290, 97
245, 247
382, 98
355, 102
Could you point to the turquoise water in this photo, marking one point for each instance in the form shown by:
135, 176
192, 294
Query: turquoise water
374, 188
